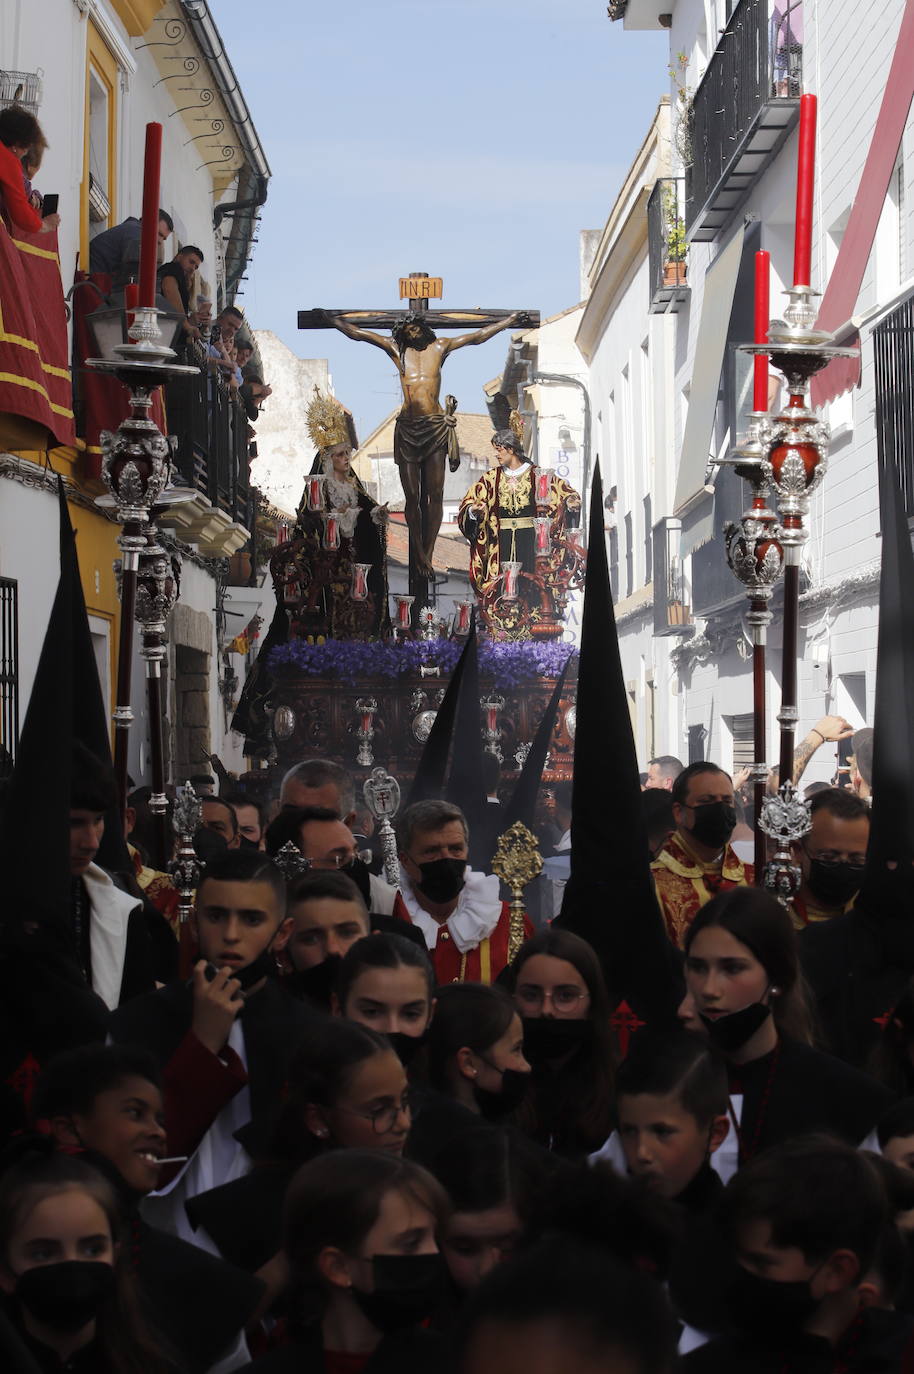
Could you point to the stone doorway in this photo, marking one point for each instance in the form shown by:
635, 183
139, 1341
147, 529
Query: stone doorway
192, 737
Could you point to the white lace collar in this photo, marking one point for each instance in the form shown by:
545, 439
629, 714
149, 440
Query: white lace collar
475, 917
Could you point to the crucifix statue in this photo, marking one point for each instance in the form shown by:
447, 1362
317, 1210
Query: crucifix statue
426, 432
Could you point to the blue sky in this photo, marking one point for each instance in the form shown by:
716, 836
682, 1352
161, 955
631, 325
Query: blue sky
470, 139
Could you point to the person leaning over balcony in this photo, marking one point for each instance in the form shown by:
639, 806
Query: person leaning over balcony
174, 281
19, 132
222, 343
31, 165
117, 250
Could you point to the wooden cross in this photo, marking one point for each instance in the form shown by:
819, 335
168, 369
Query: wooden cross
423, 510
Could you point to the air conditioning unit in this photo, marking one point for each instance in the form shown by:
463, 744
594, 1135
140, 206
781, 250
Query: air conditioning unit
672, 614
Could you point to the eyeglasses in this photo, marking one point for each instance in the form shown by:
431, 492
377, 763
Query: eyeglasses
563, 998
341, 859
383, 1118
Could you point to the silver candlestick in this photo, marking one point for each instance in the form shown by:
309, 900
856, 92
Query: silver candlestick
382, 797
185, 868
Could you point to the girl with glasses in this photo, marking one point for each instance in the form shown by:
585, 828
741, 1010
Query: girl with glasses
346, 1089
560, 994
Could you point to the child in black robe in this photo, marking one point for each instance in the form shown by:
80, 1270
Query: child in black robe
803, 1224
742, 972
346, 1088
672, 1108
364, 1267
106, 1102
68, 1300
224, 1040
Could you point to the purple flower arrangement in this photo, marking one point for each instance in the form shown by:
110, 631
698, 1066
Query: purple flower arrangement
353, 660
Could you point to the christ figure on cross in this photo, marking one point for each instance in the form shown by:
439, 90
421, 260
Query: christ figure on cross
426, 432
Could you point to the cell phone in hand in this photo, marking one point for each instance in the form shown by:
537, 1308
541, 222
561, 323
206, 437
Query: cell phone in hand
49, 204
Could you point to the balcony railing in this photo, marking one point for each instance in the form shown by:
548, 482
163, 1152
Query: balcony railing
893, 345
211, 428
744, 108
666, 245
672, 613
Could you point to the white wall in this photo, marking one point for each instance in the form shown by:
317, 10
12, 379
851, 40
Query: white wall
29, 524
846, 64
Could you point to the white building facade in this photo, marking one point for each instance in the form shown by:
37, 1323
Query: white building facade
95, 72
670, 391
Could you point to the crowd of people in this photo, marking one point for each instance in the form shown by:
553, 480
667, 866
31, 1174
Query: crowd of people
223, 346
342, 1126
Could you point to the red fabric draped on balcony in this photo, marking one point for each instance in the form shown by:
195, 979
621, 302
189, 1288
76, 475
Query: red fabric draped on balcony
35, 386
104, 401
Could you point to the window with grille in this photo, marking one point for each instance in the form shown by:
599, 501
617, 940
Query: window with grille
742, 730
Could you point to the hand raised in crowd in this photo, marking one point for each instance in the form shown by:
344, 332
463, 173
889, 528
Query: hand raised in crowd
216, 1004
50, 223
833, 728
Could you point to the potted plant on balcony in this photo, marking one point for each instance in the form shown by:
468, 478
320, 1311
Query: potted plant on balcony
674, 241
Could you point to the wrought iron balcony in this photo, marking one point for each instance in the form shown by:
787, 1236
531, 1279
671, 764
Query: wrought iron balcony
666, 243
210, 426
744, 108
893, 347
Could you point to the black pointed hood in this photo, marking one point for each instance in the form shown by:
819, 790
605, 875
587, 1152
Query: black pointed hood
251, 717
65, 707
609, 899
90, 720
35, 835
465, 787
522, 803
431, 771
456, 734
890, 891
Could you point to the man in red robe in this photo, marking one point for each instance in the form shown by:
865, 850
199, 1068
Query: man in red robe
697, 861
465, 923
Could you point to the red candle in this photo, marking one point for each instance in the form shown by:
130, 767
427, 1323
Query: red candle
149, 242
131, 300
806, 166
760, 362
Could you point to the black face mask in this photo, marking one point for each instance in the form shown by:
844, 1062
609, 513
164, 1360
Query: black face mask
714, 823
548, 1037
768, 1308
64, 1297
443, 879
316, 984
264, 966
245, 843
406, 1047
406, 1290
360, 874
515, 1084
730, 1033
834, 884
